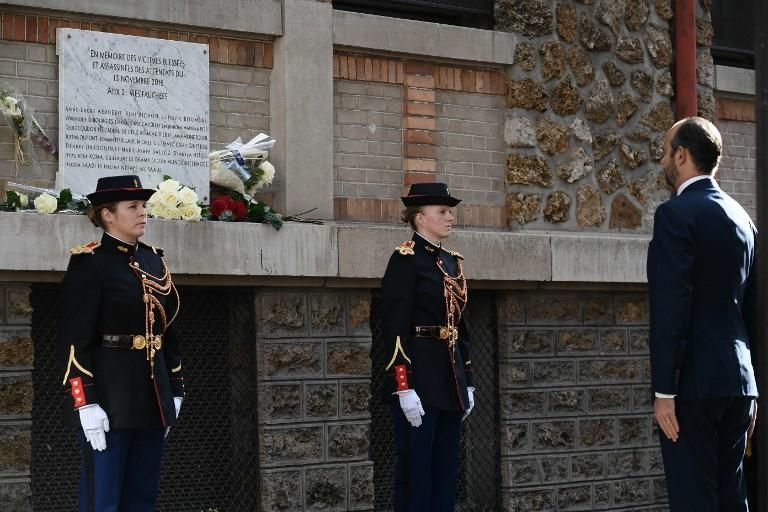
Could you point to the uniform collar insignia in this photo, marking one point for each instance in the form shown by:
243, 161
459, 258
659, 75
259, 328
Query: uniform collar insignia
406, 248
122, 248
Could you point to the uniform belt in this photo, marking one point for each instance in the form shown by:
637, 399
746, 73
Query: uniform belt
439, 332
130, 341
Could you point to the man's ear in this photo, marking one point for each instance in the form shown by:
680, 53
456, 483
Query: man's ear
681, 156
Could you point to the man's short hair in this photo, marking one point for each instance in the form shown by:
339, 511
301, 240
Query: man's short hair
702, 140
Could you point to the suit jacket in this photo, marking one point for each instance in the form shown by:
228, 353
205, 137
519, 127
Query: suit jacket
101, 296
412, 295
702, 292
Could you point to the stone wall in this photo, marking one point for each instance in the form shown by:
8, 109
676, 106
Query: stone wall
16, 359
588, 103
239, 80
314, 388
577, 431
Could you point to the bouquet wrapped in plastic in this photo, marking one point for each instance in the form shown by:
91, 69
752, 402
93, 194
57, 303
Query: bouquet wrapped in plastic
21, 119
243, 168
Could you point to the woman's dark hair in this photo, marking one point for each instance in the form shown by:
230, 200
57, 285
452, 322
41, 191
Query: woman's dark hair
703, 142
94, 213
409, 215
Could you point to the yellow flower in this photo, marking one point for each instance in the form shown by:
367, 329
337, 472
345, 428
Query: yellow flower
45, 203
169, 198
23, 199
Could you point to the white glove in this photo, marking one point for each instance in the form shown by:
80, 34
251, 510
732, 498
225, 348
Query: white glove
411, 406
177, 404
95, 424
471, 396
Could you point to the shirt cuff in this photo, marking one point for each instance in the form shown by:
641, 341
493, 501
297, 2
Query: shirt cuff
664, 395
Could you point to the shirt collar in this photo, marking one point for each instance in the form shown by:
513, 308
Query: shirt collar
121, 240
438, 245
691, 181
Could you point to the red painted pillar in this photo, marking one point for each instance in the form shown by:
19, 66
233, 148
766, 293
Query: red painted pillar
685, 58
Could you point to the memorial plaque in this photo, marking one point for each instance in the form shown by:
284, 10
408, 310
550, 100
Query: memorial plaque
132, 105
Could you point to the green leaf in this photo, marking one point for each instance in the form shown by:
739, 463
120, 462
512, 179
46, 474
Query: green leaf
65, 197
166, 177
13, 200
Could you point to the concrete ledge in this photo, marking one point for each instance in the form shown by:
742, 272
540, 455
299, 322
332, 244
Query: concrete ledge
423, 39
41, 242
735, 80
239, 253
596, 258
255, 16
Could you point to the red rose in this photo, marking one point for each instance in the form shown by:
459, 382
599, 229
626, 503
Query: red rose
226, 208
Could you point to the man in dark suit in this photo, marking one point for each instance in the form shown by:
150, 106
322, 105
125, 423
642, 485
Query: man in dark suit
701, 280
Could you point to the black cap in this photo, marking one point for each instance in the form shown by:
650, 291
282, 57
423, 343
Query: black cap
119, 188
422, 194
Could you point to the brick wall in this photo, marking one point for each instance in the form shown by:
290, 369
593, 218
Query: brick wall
399, 122
314, 380
367, 148
738, 173
16, 356
471, 154
577, 431
239, 81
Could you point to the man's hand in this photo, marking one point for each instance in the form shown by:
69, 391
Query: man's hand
753, 421
95, 424
664, 411
471, 396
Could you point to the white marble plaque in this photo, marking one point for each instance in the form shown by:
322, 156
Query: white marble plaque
132, 105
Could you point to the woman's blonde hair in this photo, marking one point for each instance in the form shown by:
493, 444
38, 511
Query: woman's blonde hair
94, 213
409, 215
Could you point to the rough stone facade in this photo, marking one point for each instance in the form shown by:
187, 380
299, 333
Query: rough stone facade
16, 361
314, 388
590, 72
577, 431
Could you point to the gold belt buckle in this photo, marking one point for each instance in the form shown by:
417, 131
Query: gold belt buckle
139, 342
444, 333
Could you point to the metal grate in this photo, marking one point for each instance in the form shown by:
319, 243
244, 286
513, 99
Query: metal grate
211, 463
479, 466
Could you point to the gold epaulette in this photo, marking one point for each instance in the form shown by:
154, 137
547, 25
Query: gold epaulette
455, 254
406, 248
86, 248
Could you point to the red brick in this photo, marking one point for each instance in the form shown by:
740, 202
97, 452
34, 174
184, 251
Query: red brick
419, 67
413, 177
19, 27
392, 72
368, 69
420, 109
343, 71
420, 123
419, 165
53, 24
352, 67
242, 54
163, 34
42, 29
426, 82
420, 151
457, 80
7, 26
360, 61
213, 49
268, 55
31, 35
419, 137
729, 109
427, 95
335, 66
400, 73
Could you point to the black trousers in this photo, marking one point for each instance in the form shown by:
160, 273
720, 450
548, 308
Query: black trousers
704, 468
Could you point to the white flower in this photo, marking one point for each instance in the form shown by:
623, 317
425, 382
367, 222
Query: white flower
168, 198
190, 212
164, 211
45, 203
169, 186
23, 199
188, 197
268, 175
153, 199
11, 106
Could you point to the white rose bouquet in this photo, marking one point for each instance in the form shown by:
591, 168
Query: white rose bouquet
21, 119
174, 201
47, 200
243, 167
